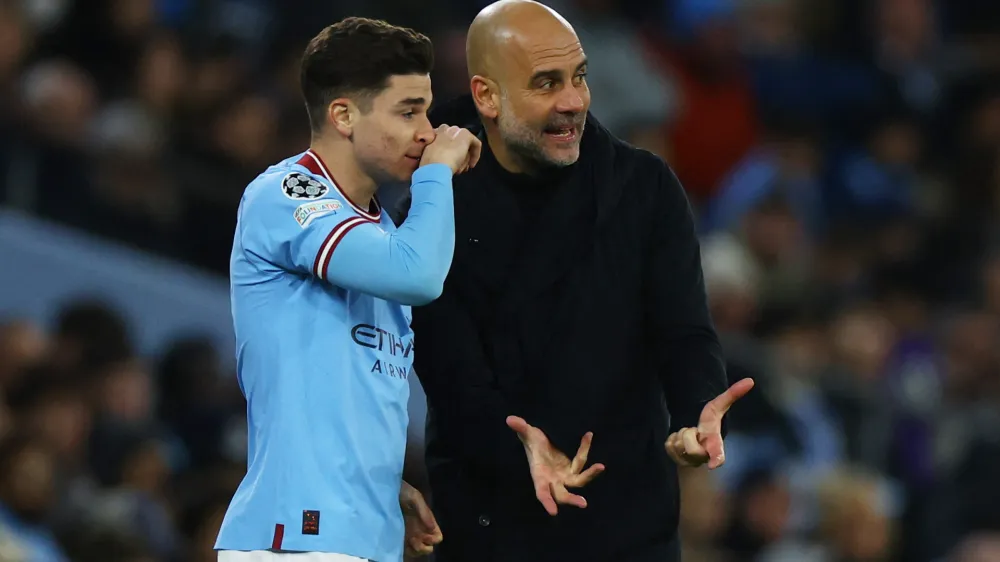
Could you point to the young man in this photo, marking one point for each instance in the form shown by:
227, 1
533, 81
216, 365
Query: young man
575, 303
322, 284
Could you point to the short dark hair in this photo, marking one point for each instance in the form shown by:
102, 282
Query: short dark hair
357, 57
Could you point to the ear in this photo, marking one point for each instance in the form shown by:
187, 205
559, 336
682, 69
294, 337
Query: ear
486, 94
342, 115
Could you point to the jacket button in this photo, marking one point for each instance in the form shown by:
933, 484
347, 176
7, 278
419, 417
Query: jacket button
484, 520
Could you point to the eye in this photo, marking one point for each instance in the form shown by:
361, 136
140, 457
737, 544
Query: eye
409, 115
547, 85
581, 77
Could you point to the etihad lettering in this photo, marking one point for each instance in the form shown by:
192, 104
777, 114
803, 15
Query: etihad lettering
378, 339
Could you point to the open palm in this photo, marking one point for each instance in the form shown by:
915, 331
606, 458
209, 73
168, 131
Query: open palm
552, 472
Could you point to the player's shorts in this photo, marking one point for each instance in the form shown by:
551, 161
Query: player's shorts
283, 556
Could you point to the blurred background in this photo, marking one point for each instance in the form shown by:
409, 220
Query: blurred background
843, 157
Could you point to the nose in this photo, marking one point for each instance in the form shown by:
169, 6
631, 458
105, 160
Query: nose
425, 134
570, 101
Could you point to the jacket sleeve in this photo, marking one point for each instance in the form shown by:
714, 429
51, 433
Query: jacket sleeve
468, 409
692, 369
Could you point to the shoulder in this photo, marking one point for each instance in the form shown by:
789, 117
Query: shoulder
648, 175
290, 190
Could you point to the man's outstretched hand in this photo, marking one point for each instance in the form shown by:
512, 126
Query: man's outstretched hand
694, 446
552, 472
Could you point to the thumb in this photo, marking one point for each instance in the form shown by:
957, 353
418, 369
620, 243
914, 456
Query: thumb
518, 425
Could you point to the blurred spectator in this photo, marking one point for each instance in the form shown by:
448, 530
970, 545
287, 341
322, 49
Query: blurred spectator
843, 157
27, 495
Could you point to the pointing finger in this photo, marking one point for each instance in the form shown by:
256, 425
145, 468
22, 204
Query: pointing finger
726, 400
712, 414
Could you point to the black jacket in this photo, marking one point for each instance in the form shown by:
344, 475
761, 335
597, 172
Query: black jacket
581, 319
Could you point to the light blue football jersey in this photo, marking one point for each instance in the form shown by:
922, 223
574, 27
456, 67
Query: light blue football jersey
321, 290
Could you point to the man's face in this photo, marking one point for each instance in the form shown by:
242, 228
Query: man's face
389, 139
544, 101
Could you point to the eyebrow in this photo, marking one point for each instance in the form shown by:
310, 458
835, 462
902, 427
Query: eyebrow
407, 102
554, 74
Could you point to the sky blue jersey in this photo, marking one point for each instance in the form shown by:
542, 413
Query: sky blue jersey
321, 295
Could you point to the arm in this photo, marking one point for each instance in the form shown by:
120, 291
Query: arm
323, 238
692, 370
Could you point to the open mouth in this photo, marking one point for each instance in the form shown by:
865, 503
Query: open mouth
562, 134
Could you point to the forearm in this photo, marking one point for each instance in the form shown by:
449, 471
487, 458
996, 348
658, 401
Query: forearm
408, 266
693, 374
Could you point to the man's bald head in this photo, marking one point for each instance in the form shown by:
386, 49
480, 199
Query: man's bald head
505, 29
528, 80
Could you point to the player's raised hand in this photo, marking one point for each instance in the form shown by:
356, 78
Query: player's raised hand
695, 446
422, 531
552, 472
453, 146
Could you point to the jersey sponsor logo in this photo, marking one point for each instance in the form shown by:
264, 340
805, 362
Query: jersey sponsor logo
306, 212
390, 346
300, 186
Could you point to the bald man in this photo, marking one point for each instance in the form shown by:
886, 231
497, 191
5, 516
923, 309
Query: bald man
573, 312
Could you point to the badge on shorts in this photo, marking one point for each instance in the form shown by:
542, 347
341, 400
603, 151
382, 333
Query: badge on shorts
310, 522
301, 186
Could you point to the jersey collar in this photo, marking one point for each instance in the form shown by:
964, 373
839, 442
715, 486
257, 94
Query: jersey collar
312, 162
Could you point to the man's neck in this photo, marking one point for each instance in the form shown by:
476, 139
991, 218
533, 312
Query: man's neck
345, 171
504, 156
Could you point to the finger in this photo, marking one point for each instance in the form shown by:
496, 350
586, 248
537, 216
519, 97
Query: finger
672, 444
543, 491
714, 448
723, 402
417, 547
711, 416
565, 497
476, 150
434, 537
518, 425
692, 448
675, 450
453, 132
585, 477
580, 460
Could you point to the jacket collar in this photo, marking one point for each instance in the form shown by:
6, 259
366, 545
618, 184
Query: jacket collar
563, 232
598, 150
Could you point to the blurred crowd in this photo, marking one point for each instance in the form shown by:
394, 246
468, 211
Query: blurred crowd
842, 156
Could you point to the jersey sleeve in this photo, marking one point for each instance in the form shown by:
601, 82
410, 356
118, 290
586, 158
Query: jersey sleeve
323, 237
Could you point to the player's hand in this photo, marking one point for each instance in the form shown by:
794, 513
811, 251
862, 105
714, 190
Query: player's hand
422, 531
454, 146
695, 446
552, 472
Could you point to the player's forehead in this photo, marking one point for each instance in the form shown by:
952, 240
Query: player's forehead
405, 90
